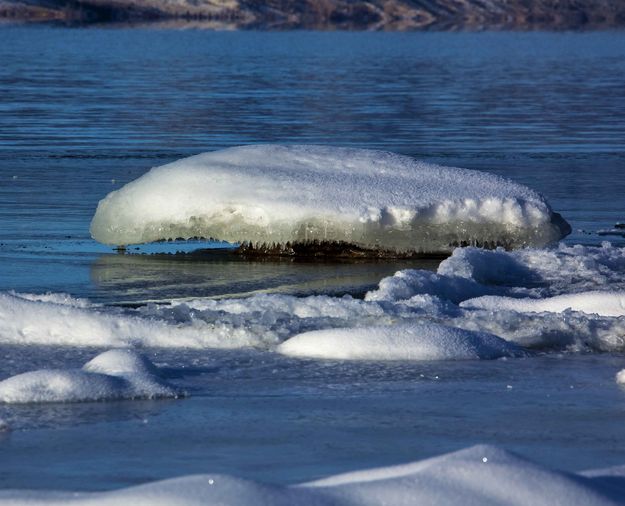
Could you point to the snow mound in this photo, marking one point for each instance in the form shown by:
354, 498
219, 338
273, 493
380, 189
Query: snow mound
421, 341
481, 475
620, 377
279, 194
473, 272
115, 374
407, 283
600, 303
552, 271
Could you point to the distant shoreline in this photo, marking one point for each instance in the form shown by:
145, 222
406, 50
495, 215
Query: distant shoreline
384, 15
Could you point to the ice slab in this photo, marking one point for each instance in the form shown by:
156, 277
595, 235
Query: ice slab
420, 341
112, 375
596, 302
279, 194
480, 475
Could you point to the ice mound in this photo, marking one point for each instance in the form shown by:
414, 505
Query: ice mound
620, 377
545, 272
298, 194
410, 282
484, 291
481, 475
600, 303
112, 375
473, 272
420, 341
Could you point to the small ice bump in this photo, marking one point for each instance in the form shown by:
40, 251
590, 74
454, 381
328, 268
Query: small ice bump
410, 341
112, 375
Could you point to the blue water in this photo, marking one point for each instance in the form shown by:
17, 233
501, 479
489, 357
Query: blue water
84, 111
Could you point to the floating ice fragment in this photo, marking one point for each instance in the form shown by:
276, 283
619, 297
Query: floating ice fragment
371, 199
409, 341
115, 374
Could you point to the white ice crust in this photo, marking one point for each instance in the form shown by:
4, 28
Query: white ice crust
276, 194
595, 302
421, 341
112, 375
481, 475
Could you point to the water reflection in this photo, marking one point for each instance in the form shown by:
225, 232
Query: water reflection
133, 278
49, 415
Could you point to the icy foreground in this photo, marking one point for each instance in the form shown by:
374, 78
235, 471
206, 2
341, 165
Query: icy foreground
481, 475
279, 194
566, 298
113, 375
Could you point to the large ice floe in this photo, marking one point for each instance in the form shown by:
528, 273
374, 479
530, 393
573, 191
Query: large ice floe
276, 195
420, 341
112, 375
481, 475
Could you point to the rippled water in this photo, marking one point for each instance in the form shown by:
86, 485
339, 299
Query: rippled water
84, 111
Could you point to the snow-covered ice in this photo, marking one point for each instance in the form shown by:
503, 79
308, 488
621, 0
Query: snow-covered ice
589, 281
480, 475
112, 375
595, 302
421, 341
277, 194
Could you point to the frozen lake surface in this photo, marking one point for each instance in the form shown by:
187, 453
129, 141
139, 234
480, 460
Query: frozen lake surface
83, 112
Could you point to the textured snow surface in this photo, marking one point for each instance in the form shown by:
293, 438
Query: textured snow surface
600, 303
421, 341
480, 475
272, 193
585, 283
115, 374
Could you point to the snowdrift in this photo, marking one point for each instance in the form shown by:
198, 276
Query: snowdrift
481, 475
